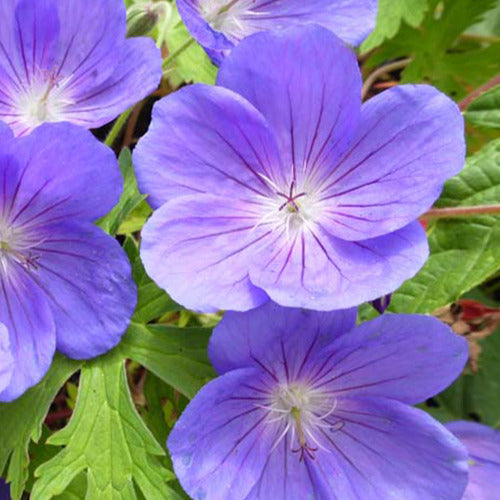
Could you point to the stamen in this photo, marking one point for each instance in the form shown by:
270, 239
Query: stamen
228, 6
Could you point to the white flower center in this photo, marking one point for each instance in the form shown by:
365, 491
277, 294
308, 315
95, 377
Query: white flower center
44, 101
225, 16
290, 210
16, 247
303, 413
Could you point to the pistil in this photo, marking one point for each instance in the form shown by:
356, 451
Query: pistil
303, 449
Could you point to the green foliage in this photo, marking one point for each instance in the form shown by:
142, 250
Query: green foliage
106, 438
463, 252
21, 422
193, 64
130, 200
485, 110
390, 16
439, 54
178, 356
152, 301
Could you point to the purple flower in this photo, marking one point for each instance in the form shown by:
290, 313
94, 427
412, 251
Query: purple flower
308, 407
218, 25
4, 490
68, 60
282, 185
64, 283
483, 444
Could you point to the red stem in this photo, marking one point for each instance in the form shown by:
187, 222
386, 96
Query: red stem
464, 103
446, 213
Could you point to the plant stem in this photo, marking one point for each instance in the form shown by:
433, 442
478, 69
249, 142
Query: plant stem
117, 127
177, 52
382, 70
452, 212
464, 103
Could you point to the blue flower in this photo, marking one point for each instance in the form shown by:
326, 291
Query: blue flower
64, 283
68, 60
483, 444
279, 184
218, 25
307, 406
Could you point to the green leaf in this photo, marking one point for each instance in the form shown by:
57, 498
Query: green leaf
106, 438
485, 110
178, 356
193, 64
464, 252
390, 16
76, 490
130, 199
485, 385
439, 56
21, 422
152, 301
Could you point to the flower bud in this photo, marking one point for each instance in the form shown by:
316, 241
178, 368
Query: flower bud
143, 17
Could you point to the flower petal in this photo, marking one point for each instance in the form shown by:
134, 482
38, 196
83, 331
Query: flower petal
137, 74
483, 444
26, 315
286, 478
198, 247
87, 278
92, 33
206, 139
6, 359
482, 441
307, 85
350, 20
400, 356
36, 32
200, 29
386, 450
221, 456
57, 182
315, 270
241, 338
410, 140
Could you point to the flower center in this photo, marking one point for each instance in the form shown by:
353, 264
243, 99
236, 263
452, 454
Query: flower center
225, 16
304, 413
16, 248
43, 102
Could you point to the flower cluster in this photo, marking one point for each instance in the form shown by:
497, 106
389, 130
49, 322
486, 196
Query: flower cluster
278, 196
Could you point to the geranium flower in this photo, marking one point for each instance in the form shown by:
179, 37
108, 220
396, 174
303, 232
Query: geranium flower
278, 183
68, 60
64, 283
483, 444
218, 25
308, 407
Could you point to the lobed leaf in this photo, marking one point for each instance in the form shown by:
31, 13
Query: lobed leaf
107, 439
21, 422
390, 17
